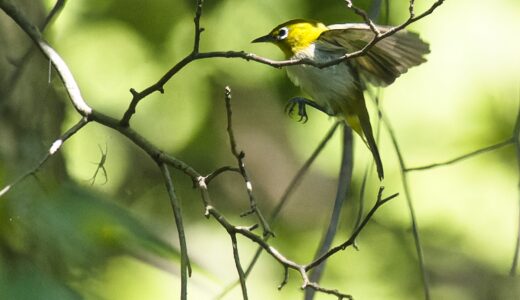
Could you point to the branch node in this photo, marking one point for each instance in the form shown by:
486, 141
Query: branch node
207, 211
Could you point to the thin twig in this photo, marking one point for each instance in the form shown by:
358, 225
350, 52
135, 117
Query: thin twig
196, 55
471, 154
411, 9
198, 29
56, 9
365, 17
315, 287
240, 271
284, 261
159, 85
350, 242
239, 155
185, 262
284, 200
409, 202
219, 171
56, 145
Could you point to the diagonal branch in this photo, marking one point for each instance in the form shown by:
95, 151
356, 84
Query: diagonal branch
56, 145
56, 9
351, 241
241, 274
471, 154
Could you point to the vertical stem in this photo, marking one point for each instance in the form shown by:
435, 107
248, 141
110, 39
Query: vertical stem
409, 202
185, 264
344, 181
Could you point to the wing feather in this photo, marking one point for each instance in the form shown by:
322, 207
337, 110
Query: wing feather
386, 60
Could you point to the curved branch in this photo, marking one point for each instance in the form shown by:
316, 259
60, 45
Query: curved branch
57, 62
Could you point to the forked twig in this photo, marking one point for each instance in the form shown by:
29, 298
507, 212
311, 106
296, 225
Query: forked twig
239, 155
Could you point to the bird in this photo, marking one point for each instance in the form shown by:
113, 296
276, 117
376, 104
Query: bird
338, 90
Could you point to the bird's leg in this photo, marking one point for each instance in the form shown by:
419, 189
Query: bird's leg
302, 111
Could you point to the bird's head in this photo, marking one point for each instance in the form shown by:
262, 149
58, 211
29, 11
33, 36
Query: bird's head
293, 36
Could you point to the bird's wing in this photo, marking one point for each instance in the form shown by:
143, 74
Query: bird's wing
386, 60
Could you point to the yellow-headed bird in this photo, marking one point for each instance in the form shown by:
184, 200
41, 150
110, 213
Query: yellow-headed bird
338, 90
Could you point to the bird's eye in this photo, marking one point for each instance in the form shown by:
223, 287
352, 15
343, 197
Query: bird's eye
282, 33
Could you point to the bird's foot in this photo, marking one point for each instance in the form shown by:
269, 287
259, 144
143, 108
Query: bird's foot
302, 111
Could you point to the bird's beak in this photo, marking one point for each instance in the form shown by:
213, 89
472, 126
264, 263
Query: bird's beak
264, 39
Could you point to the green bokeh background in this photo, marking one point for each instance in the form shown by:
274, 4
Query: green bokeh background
465, 97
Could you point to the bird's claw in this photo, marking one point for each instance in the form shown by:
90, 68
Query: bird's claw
302, 111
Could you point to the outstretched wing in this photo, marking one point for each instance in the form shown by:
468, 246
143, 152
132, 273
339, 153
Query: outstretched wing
386, 60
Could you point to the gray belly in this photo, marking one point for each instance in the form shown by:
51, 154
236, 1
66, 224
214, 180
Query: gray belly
328, 87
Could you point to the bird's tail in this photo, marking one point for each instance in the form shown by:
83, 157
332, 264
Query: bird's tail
356, 116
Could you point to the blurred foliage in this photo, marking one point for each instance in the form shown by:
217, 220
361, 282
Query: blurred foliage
61, 238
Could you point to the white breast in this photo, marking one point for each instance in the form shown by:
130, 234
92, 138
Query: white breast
328, 86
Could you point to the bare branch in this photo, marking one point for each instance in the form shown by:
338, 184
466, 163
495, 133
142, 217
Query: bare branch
196, 55
198, 29
350, 242
56, 145
241, 275
239, 155
284, 200
288, 264
411, 9
185, 262
219, 171
471, 154
409, 203
334, 292
56, 9
365, 17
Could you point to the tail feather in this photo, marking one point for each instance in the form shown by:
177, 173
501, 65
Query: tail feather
375, 151
356, 115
